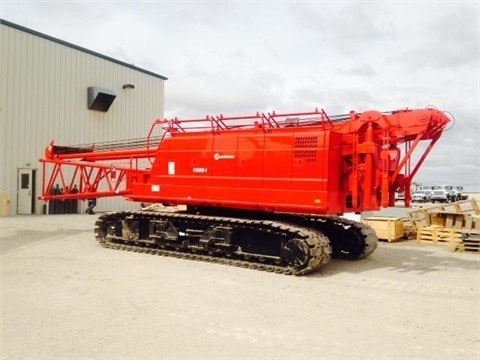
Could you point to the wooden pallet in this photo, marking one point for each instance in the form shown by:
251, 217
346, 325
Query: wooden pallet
439, 234
460, 214
447, 235
455, 239
427, 233
419, 217
470, 242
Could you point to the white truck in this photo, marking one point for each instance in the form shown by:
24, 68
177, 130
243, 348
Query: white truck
448, 193
457, 193
422, 196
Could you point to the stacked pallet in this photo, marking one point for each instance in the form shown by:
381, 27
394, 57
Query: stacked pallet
455, 224
470, 242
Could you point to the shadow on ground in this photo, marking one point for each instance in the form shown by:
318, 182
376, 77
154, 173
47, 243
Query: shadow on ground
403, 258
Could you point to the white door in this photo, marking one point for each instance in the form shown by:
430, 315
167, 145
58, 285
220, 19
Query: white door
25, 192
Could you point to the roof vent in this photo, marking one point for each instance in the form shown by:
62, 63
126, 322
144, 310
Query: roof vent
100, 99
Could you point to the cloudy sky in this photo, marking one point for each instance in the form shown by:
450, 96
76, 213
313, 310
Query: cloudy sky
239, 57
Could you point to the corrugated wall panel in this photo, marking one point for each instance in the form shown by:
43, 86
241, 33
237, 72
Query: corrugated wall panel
44, 97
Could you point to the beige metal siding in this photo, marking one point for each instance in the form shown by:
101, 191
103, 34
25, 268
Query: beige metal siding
44, 97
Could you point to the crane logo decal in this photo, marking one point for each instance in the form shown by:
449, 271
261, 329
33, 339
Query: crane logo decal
218, 156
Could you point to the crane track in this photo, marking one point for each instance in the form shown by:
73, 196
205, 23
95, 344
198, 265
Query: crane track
364, 233
196, 257
350, 240
319, 249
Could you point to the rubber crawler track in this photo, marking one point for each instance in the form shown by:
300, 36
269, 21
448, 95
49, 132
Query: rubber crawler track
318, 244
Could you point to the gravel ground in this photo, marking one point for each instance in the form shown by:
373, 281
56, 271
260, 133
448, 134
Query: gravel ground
66, 297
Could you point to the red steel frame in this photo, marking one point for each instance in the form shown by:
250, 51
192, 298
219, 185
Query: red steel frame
99, 173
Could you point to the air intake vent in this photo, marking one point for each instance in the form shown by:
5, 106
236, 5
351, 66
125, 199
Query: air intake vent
100, 99
308, 144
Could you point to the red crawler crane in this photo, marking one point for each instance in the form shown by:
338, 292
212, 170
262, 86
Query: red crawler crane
263, 190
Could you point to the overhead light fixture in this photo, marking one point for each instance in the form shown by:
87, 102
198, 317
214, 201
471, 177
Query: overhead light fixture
129, 86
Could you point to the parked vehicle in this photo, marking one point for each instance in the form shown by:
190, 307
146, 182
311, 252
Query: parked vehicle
448, 193
457, 193
421, 196
441, 195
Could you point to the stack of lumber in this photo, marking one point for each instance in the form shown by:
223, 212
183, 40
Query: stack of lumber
455, 224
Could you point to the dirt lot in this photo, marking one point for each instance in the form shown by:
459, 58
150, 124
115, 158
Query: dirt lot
65, 297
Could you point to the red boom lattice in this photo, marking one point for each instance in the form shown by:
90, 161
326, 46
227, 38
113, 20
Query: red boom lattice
94, 173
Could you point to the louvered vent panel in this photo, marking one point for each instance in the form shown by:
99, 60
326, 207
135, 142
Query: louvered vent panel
303, 148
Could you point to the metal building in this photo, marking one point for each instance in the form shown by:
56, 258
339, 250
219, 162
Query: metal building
51, 89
